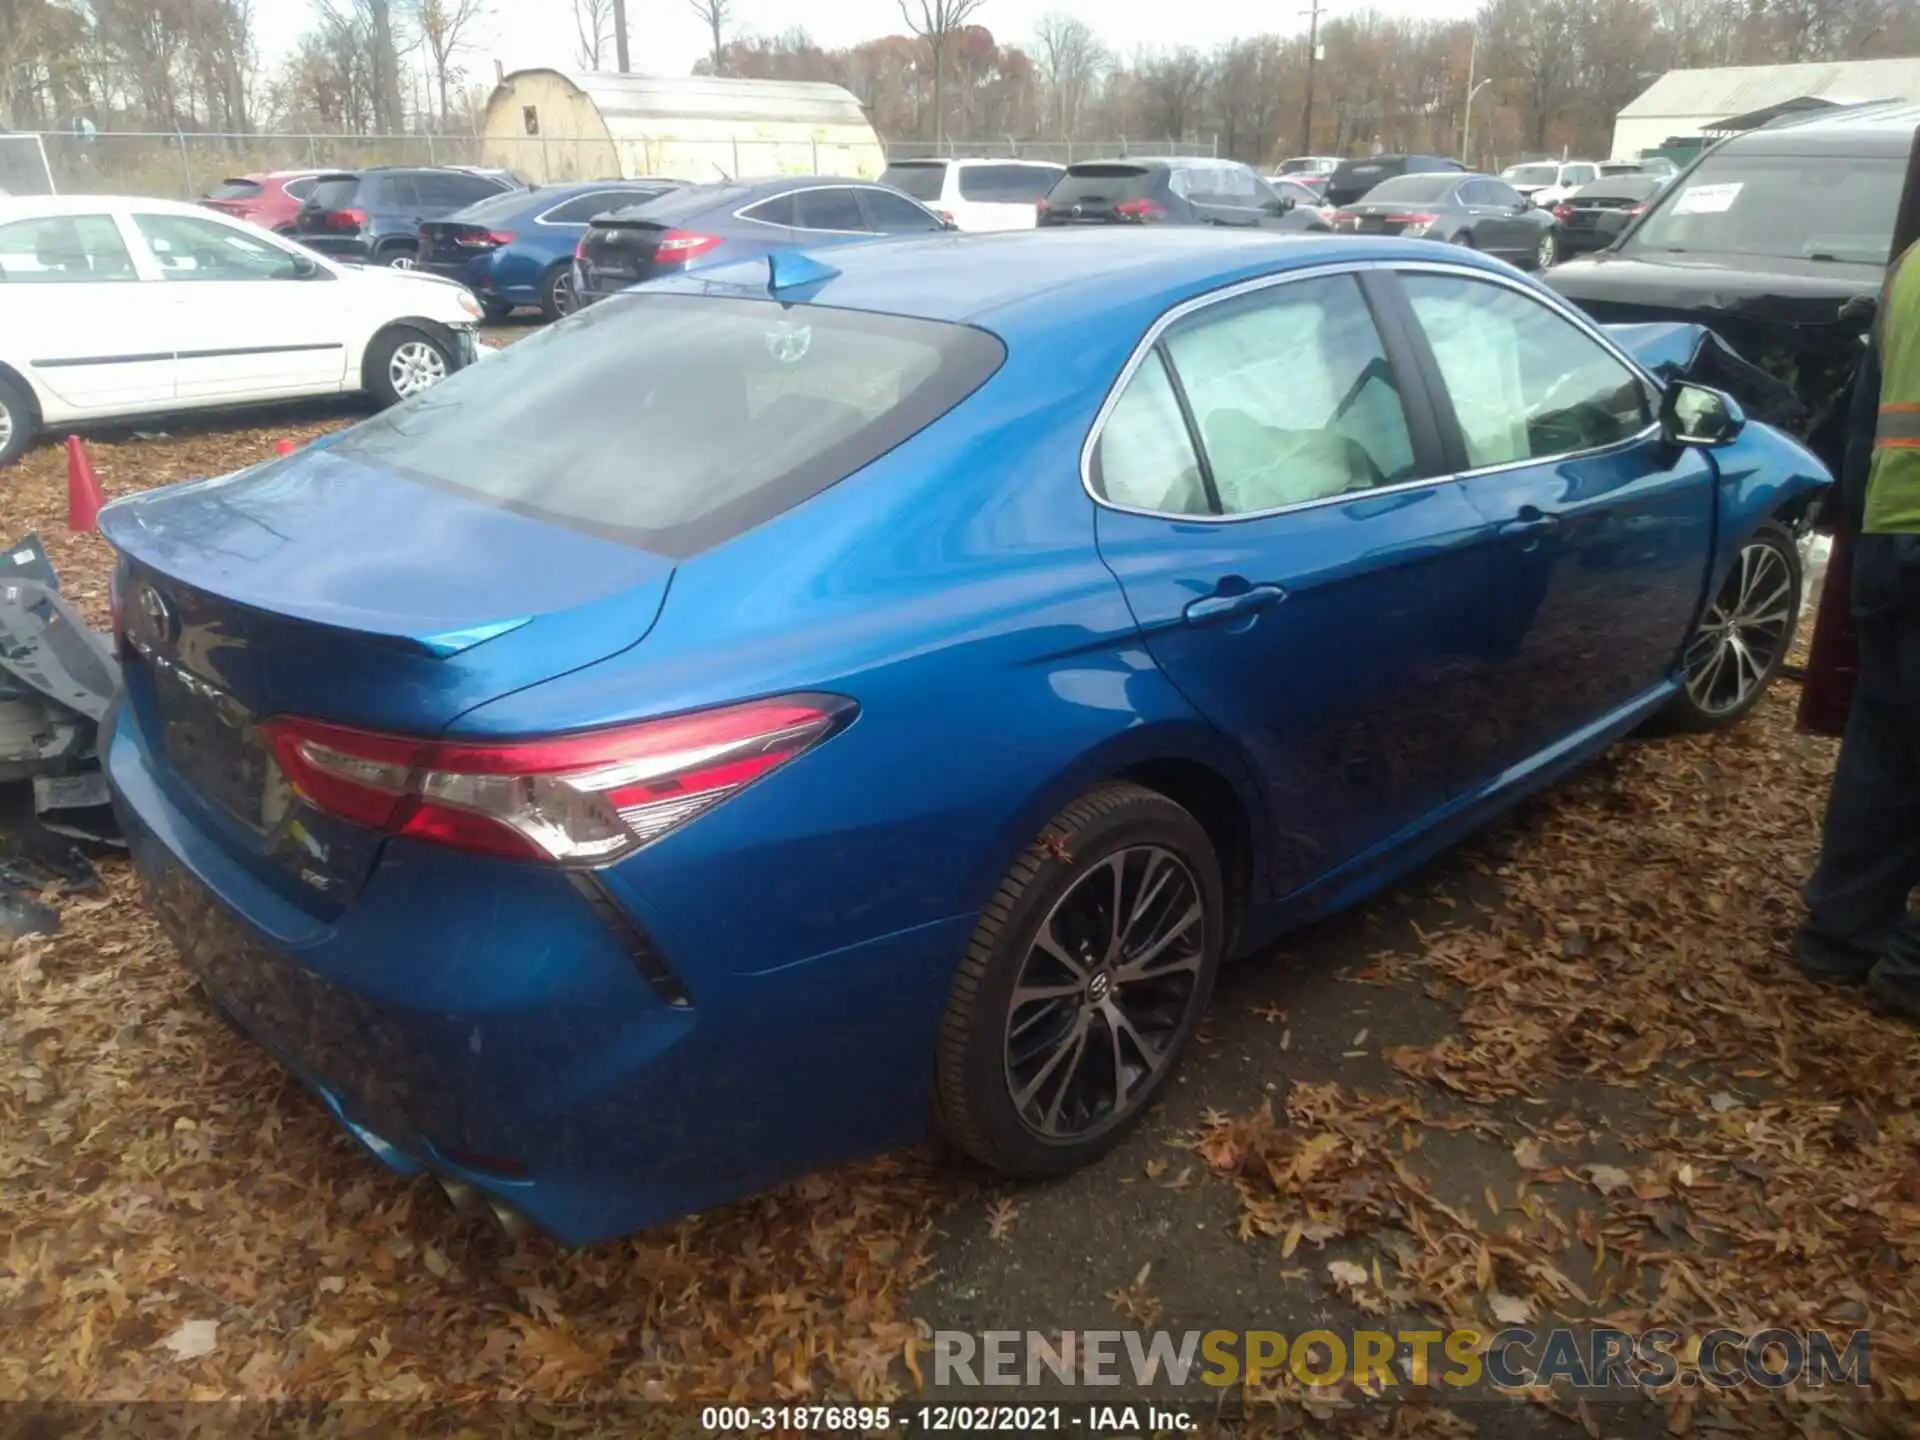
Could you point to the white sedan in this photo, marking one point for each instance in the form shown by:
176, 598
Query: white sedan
115, 307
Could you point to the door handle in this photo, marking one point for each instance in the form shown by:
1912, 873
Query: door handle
1531, 524
1214, 608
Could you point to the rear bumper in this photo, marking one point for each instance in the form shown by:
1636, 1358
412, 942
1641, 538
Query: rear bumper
481, 1021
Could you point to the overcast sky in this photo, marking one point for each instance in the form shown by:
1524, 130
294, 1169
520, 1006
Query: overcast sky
665, 38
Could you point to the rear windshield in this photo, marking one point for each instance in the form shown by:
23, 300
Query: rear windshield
1620, 187
234, 190
923, 182
1531, 174
1405, 189
1007, 184
1779, 207
1373, 170
1102, 184
689, 419
334, 192
678, 205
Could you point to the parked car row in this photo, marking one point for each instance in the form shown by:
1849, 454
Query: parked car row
118, 307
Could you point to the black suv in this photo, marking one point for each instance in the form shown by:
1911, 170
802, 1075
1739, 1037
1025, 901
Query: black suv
1177, 191
374, 216
1352, 179
1779, 241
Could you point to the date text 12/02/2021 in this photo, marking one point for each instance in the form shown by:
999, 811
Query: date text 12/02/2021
1113, 1420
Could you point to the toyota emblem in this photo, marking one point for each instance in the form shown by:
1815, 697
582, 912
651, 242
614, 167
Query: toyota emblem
155, 615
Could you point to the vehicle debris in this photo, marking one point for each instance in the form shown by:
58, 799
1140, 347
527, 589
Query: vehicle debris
57, 678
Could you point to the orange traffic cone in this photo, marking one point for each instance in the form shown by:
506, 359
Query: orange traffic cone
83, 488
284, 447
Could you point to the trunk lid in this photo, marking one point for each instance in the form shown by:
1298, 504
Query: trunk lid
319, 587
622, 251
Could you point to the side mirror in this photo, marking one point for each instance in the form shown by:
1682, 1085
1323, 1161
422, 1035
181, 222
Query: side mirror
949, 225
305, 267
1279, 205
1695, 415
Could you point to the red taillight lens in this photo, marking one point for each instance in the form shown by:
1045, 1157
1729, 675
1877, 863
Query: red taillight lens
1563, 212
483, 239
580, 250
346, 219
1346, 218
586, 798
685, 245
1419, 217
1140, 210
1638, 210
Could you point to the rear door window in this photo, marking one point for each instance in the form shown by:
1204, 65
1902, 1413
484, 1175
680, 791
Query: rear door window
691, 418
1103, 185
301, 188
832, 207
777, 211
63, 250
895, 215
399, 192
334, 192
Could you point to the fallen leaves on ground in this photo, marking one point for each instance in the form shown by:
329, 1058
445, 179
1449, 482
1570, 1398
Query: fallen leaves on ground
1731, 1145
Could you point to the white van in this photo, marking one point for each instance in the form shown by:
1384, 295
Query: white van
978, 194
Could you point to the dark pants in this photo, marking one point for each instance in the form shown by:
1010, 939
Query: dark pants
1858, 898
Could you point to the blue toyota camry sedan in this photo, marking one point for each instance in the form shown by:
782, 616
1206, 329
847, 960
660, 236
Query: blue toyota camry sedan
778, 709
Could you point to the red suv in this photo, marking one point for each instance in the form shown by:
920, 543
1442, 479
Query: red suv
270, 200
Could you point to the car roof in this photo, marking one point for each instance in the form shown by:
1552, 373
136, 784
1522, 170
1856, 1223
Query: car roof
973, 160
1021, 276
30, 207
1877, 130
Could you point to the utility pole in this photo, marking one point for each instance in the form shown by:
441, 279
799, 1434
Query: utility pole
620, 35
1313, 58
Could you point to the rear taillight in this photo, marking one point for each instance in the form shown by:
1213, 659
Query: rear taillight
1563, 212
1422, 217
581, 799
484, 239
1042, 208
345, 219
580, 250
1344, 217
1638, 210
1140, 210
685, 245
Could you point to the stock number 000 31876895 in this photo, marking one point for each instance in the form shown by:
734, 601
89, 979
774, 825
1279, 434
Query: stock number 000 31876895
871, 1419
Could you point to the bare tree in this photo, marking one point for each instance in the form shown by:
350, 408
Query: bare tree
593, 22
716, 15
935, 22
1071, 58
1172, 86
446, 30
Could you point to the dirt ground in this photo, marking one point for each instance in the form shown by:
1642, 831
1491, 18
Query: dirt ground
1565, 1075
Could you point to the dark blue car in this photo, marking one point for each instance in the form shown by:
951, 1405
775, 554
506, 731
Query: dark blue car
517, 249
791, 701
739, 220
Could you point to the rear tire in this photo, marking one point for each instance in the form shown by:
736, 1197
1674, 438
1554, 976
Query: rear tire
17, 422
1465, 240
403, 362
396, 257
1547, 253
557, 300
1062, 1026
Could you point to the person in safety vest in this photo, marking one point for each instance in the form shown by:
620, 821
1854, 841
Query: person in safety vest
1860, 926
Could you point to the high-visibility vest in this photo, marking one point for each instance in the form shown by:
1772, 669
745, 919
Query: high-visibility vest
1893, 484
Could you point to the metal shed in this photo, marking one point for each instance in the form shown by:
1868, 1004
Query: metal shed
1685, 103
554, 126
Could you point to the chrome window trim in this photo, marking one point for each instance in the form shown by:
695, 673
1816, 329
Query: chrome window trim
541, 218
1258, 283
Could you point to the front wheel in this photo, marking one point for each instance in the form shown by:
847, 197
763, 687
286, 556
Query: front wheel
1547, 253
404, 362
16, 422
1742, 641
1085, 980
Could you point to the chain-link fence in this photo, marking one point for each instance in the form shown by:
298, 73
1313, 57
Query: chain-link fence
186, 166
